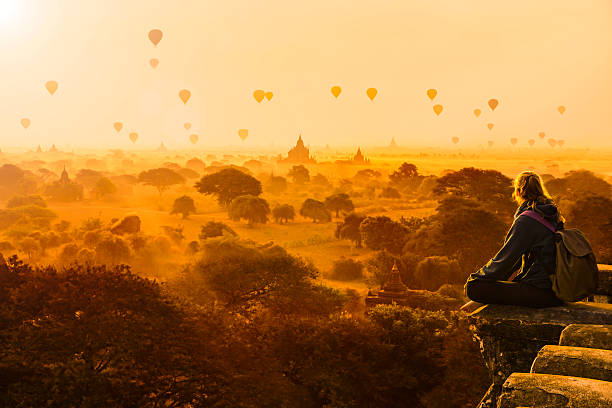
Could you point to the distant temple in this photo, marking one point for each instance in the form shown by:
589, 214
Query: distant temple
162, 147
393, 291
358, 158
392, 144
299, 154
38, 149
64, 189
53, 149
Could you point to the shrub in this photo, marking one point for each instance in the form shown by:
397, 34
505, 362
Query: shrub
347, 269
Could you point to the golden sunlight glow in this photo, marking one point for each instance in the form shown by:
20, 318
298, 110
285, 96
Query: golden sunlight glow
10, 12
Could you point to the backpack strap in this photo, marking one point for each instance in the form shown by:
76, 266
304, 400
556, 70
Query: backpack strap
536, 216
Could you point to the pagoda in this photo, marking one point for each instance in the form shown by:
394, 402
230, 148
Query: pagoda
299, 154
359, 158
393, 291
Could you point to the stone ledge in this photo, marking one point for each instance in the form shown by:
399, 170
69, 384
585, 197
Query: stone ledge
511, 336
554, 391
574, 362
597, 336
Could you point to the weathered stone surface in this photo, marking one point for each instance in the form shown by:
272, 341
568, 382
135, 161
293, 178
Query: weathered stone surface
554, 391
574, 361
587, 335
128, 225
511, 336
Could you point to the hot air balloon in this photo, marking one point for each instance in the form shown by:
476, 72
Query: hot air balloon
552, 142
561, 109
154, 62
51, 86
490, 125
490, 143
155, 36
118, 126
184, 94
194, 138
336, 90
25, 122
133, 137
477, 112
437, 109
187, 125
542, 135
455, 140
243, 133
269, 95
560, 142
531, 142
371, 92
431, 93
493, 104
259, 95
513, 141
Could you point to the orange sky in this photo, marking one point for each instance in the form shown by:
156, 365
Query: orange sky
531, 55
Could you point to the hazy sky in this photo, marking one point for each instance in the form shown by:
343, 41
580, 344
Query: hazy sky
531, 55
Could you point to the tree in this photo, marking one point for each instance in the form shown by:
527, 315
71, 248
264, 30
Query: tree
406, 176
20, 201
592, 215
112, 250
183, 205
339, 202
434, 271
578, 184
283, 213
484, 186
390, 192
214, 229
248, 207
347, 269
28, 246
228, 184
315, 210
276, 185
349, 228
161, 178
299, 174
383, 233
104, 338
104, 187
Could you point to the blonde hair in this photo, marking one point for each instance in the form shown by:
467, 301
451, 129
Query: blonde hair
528, 186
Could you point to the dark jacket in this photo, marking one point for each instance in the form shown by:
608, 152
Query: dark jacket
529, 245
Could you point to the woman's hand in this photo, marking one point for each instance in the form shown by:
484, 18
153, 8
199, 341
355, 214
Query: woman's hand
471, 306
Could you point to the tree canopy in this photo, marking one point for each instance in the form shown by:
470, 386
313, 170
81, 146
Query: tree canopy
250, 208
228, 184
183, 205
161, 178
315, 210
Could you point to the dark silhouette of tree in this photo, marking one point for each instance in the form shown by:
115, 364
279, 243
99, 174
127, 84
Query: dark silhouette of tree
390, 192
20, 201
196, 165
489, 187
104, 187
315, 210
346, 269
112, 250
88, 177
383, 233
434, 271
299, 174
162, 178
592, 215
407, 176
578, 184
228, 184
349, 228
276, 185
339, 202
183, 205
214, 229
366, 175
248, 207
283, 213
320, 180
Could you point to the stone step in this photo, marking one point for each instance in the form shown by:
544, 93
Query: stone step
587, 335
554, 391
574, 361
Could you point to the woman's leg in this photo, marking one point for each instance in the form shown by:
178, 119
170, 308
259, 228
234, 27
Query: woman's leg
510, 293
